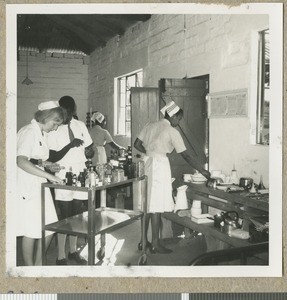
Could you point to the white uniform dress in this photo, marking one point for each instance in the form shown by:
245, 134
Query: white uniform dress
32, 144
100, 137
74, 158
160, 138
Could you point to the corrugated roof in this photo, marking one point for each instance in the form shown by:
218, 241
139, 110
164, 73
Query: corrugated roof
72, 33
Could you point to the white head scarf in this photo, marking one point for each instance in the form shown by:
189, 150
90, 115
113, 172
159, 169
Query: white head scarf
48, 105
97, 116
171, 109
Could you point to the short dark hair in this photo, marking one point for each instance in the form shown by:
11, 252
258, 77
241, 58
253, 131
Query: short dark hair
68, 103
43, 116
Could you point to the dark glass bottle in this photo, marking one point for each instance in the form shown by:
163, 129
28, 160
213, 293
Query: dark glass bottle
81, 178
69, 177
129, 167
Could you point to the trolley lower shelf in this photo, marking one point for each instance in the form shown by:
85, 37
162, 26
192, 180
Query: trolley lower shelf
106, 220
96, 221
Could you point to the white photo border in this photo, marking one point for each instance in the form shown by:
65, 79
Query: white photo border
274, 269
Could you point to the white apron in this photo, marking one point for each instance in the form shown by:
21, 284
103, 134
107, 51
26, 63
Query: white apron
100, 155
28, 209
159, 194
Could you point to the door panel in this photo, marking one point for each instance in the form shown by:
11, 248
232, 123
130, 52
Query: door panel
190, 95
144, 109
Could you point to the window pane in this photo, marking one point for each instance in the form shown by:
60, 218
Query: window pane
123, 101
131, 81
263, 89
128, 128
122, 120
128, 113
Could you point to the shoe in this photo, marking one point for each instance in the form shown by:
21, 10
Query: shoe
61, 262
77, 258
160, 250
148, 246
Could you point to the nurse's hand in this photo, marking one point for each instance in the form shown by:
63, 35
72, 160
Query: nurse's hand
89, 152
53, 167
206, 173
54, 179
76, 143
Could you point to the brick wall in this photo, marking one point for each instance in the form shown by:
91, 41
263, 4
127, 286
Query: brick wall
53, 75
218, 45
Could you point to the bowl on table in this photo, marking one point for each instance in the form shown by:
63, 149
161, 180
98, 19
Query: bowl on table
198, 178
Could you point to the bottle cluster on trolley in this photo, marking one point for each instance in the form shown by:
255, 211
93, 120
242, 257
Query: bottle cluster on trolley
120, 167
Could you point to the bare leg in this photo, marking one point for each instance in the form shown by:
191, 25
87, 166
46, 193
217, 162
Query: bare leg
73, 243
28, 250
148, 244
38, 259
61, 246
146, 226
155, 225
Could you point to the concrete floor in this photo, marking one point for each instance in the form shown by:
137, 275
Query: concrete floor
121, 249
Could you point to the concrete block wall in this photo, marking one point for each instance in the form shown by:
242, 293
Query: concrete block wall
175, 46
54, 75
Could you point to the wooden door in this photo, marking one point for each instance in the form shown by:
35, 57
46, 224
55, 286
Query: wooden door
190, 95
144, 109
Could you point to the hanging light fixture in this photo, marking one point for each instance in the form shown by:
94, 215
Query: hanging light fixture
27, 80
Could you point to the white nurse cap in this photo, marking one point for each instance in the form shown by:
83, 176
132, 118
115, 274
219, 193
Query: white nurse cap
97, 116
171, 109
48, 105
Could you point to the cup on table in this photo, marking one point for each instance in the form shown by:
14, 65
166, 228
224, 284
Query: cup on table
196, 211
187, 177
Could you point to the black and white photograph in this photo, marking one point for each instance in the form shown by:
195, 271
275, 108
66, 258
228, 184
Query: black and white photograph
163, 125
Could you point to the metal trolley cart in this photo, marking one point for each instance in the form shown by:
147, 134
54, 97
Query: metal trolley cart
97, 221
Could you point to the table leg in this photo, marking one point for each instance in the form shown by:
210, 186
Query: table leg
43, 241
91, 226
101, 252
143, 258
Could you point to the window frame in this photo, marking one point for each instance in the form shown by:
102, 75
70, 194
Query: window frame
118, 131
257, 88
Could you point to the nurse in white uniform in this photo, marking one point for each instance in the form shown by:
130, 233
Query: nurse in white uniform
101, 137
31, 144
156, 140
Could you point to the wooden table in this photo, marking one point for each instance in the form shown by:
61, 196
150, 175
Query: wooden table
239, 202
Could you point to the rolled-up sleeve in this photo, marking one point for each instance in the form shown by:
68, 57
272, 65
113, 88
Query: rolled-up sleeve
25, 142
177, 141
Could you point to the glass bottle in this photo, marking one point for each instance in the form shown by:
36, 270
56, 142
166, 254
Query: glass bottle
81, 179
128, 168
87, 179
234, 177
261, 185
69, 177
92, 177
89, 163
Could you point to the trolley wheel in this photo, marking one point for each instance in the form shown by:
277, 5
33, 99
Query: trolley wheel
143, 260
101, 254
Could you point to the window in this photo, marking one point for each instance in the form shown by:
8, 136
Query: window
123, 85
263, 91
